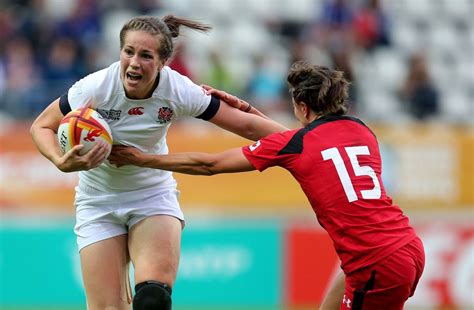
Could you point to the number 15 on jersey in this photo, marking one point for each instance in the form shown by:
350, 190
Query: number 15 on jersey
352, 152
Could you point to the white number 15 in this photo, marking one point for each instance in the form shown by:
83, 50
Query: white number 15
334, 155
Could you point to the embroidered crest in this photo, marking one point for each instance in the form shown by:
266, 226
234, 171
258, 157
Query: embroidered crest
165, 115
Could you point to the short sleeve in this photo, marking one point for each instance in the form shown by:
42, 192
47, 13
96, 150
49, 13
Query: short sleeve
265, 152
191, 100
80, 93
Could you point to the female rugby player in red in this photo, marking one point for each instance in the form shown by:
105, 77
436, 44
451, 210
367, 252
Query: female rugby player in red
336, 160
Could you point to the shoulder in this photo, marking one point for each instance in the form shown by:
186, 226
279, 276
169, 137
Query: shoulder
99, 85
173, 83
338, 120
278, 140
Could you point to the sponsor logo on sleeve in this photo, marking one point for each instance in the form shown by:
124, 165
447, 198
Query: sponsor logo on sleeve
254, 146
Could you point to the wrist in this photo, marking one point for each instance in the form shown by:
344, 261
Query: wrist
146, 161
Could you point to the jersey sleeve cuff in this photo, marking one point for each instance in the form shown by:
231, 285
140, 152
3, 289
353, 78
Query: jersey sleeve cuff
211, 109
64, 105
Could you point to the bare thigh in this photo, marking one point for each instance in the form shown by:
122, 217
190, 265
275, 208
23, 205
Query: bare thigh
154, 246
105, 272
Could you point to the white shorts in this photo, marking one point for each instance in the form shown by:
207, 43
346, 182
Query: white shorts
101, 216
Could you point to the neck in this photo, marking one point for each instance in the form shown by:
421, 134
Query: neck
313, 116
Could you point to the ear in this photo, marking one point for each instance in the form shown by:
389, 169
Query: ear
306, 110
161, 64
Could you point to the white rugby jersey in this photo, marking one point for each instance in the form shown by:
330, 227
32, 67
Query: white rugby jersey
139, 123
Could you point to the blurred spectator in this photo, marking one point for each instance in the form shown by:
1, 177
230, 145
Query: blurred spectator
265, 87
341, 60
23, 95
147, 6
371, 26
143, 7
31, 21
418, 91
337, 32
62, 67
179, 62
335, 26
218, 75
6, 25
83, 24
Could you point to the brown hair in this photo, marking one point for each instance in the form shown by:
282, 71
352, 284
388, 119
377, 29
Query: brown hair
325, 91
165, 29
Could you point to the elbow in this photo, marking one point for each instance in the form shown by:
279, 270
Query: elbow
33, 129
250, 132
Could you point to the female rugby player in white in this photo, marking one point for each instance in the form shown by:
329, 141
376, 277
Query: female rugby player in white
132, 213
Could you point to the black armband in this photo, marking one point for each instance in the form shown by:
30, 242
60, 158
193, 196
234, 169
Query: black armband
211, 109
64, 105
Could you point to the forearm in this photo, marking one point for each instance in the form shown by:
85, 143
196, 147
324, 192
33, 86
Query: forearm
250, 126
265, 127
248, 108
46, 142
188, 163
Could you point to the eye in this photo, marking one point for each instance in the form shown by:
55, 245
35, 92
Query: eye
128, 52
147, 56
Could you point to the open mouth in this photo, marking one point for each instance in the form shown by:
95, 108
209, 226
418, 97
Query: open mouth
134, 76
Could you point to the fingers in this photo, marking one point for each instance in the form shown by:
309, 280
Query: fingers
74, 161
206, 87
231, 100
97, 154
75, 149
122, 155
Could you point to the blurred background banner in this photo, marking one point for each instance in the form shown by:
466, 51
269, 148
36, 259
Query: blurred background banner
426, 166
223, 259
251, 239
240, 263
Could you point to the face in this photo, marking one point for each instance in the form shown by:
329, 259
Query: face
139, 64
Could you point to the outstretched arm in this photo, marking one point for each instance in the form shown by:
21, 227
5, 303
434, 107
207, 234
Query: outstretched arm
229, 161
246, 125
239, 117
233, 101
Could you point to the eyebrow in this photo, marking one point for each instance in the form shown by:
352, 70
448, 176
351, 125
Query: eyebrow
142, 50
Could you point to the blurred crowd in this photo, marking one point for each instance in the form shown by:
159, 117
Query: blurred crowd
46, 45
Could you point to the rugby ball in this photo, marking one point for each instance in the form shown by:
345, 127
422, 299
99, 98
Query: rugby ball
83, 126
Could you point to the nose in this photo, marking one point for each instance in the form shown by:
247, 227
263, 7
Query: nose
134, 63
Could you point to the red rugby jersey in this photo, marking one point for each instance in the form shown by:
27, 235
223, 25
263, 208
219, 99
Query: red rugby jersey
336, 160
